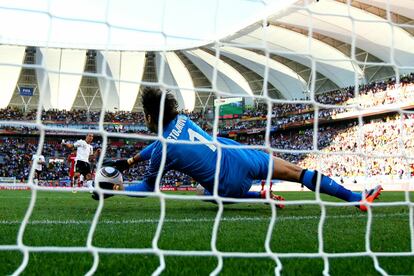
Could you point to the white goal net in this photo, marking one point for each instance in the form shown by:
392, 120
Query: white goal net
327, 85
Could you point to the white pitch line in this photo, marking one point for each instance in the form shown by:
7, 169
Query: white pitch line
186, 220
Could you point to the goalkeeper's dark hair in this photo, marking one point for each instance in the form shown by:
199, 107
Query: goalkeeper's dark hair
151, 102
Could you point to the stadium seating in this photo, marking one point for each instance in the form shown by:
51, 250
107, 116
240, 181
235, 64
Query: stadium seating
287, 129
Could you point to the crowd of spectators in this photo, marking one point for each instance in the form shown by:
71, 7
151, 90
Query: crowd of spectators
71, 117
16, 154
283, 115
370, 92
353, 145
368, 150
348, 149
370, 95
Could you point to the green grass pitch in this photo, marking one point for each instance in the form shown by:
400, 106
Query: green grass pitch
64, 219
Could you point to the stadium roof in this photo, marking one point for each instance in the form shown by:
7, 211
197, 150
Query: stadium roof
78, 57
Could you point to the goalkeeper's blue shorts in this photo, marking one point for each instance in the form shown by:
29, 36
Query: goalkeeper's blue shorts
239, 167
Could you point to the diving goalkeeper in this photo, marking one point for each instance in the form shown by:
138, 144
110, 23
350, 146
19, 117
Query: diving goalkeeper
238, 167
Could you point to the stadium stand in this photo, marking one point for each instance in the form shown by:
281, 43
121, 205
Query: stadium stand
290, 130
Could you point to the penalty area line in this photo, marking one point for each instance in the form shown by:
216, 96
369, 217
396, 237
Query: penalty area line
194, 220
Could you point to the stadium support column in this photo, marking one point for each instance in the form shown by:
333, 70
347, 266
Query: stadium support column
176, 74
282, 77
228, 80
60, 76
9, 74
124, 72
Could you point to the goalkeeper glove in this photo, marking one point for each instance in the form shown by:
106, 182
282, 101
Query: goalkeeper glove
121, 164
106, 186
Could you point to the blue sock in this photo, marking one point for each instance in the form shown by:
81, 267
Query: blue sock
328, 186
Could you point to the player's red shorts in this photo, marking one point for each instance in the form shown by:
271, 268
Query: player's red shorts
71, 160
72, 171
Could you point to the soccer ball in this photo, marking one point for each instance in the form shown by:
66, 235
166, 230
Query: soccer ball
200, 190
108, 175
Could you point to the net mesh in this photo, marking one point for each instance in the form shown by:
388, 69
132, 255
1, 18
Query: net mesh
268, 50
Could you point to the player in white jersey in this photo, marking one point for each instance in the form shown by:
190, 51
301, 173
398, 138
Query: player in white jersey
84, 153
37, 161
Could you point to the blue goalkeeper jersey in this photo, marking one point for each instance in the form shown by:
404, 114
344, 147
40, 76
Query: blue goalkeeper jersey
238, 167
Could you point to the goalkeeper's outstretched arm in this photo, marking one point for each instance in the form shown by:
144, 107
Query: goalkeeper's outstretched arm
148, 184
125, 164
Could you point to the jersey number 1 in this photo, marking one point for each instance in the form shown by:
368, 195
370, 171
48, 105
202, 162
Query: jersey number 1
195, 135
